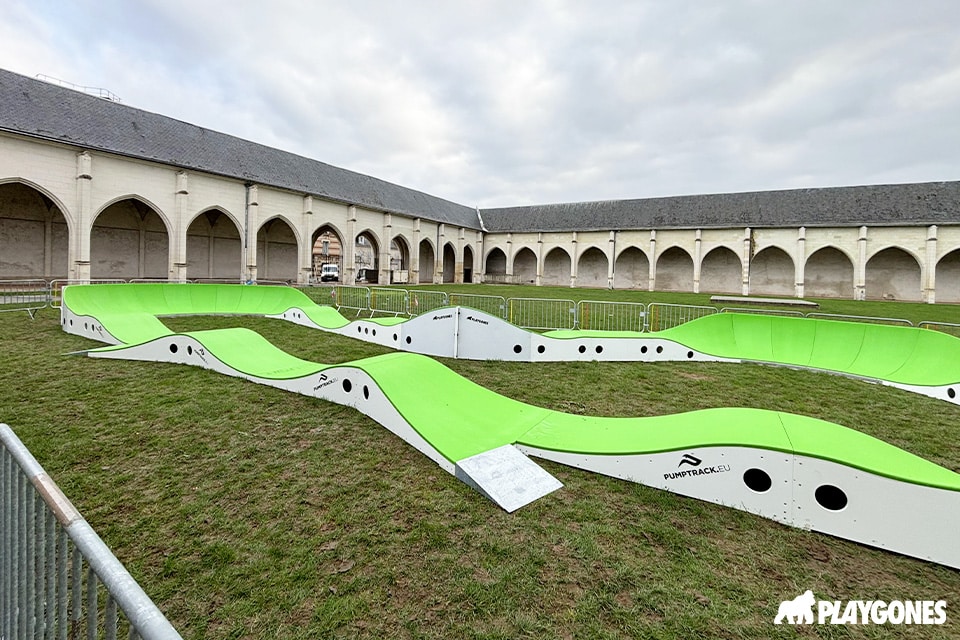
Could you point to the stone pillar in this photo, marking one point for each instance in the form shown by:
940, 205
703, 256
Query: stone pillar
438, 259
860, 271
930, 267
653, 260
80, 261
178, 243
415, 253
509, 254
697, 258
574, 259
800, 261
539, 279
251, 224
350, 251
385, 271
458, 265
305, 250
611, 258
745, 261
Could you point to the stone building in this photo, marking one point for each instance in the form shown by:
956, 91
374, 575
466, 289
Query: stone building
90, 188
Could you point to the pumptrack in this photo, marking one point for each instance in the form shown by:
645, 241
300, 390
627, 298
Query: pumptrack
797, 470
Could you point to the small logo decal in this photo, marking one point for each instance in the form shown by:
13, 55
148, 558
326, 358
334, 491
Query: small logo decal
689, 459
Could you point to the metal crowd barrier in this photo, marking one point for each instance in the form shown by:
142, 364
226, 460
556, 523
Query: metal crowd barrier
426, 301
868, 319
352, 297
603, 315
662, 316
542, 313
24, 295
764, 312
946, 327
392, 301
54, 567
494, 305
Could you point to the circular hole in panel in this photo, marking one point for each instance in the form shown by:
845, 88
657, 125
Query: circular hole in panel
643, 349
359, 329
173, 348
189, 350
374, 332
366, 330
394, 337
63, 321
659, 348
517, 348
84, 326
347, 385
71, 322
951, 393
830, 497
541, 349
366, 393
582, 349
689, 354
599, 348
757, 480
409, 340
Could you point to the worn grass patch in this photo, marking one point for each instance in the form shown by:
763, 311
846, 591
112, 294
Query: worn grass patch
248, 512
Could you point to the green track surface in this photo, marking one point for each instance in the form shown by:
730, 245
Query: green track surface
460, 418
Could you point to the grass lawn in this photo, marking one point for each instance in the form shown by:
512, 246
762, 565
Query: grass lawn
248, 512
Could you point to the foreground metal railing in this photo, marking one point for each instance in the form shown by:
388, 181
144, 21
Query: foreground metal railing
55, 571
24, 295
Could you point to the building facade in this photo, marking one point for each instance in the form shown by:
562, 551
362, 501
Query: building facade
93, 189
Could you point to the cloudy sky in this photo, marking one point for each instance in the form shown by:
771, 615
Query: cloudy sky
509, 102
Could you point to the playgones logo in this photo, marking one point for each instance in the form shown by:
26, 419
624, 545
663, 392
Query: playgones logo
800, 610
478, 320
443, 317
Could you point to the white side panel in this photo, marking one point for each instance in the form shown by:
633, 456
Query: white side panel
899, 516
432, 334
84, 326
486, 337
948, 392
713, 474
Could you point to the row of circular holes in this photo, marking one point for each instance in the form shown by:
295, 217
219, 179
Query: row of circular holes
827, 496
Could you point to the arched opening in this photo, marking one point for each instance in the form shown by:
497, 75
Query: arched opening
327, 249
399, 261
556, 268
427, 264
129, 240
893, 274
674, 270
631, 270
467, 265
496, 264
276, 251
449, 263
772, 272
525, 266
366, 258
828, 273
948, 277
721, 271
592, 268
214, 248
34, 238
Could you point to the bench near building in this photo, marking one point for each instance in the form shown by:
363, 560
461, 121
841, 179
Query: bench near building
90, 188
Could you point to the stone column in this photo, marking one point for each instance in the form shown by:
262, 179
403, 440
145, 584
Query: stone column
574, 259
305, 250
745, 261
611, 258
438, 259
930, 268
251, 224
80, 261
349, 276
653, 260
539, 278
860, 271
801, 259
697, 258
385, 271
178, 244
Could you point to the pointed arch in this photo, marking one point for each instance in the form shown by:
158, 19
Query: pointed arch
557, 267
721, 271
592, 268
214, 246
129, 238
277, 250
399, 259
948, 277
366, 257
427, 261
496, 263
468, 264
893, 274
828, 273
327, 247
631, 270
772, 272
525, 265
674, 270
34, 233
449, 263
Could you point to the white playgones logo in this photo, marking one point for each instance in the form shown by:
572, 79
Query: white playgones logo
800, 610
797, 611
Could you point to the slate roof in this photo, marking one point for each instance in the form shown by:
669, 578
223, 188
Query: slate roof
879, 205
38, 109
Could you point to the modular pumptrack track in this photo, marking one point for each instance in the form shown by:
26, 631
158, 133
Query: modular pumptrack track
797, 470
